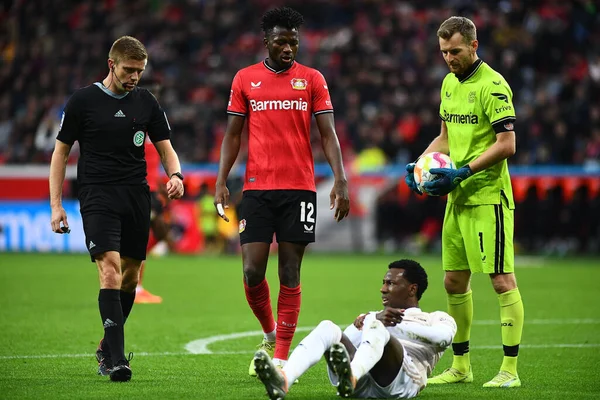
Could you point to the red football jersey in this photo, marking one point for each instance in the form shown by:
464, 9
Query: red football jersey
279, 108
152, 165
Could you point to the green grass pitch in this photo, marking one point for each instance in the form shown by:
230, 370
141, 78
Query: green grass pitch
50, 327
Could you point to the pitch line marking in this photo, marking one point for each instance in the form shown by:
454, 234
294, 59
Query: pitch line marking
188, 353
200, 346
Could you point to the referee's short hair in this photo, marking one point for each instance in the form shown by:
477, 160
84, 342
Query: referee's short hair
127, 48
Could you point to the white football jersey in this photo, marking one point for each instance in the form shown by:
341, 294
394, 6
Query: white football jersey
425, 336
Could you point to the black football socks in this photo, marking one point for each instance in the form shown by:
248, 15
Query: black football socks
127, 300
111, 311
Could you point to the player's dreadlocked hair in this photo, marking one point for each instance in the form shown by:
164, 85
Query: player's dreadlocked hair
414, 273
284, 16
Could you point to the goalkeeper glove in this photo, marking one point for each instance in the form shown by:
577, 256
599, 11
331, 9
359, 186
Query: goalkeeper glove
447, 180
410, 178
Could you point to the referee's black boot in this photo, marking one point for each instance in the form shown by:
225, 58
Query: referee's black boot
105, 363
121, 372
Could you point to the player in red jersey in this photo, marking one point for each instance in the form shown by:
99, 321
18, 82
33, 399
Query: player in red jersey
158, 227
278, 97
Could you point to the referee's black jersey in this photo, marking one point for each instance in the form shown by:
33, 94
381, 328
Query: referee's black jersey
111, 130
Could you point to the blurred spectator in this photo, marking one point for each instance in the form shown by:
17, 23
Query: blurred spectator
380, 58
208, 219
592, 150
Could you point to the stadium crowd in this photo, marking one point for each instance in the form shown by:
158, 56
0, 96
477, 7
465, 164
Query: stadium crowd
382, 65
380, 58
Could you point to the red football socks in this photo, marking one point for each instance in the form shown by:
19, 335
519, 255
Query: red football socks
288, 309
259, 300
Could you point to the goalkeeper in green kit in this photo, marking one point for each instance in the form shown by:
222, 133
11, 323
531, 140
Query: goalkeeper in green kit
478, 133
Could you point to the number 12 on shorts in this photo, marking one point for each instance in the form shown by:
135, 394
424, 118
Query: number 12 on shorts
307, 210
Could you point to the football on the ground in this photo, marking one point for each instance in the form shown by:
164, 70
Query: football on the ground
427, 162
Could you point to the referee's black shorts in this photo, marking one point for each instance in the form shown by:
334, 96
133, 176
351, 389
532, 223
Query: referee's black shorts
289, 214
116, 218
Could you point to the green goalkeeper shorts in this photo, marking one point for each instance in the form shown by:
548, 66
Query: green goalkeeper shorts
479, 238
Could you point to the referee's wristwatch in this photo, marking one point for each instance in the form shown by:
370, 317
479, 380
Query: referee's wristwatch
177, 174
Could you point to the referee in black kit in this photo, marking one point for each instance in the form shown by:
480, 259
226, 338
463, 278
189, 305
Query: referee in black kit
110, 119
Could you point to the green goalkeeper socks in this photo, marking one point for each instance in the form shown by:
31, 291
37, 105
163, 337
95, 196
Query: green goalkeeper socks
460, 307
511, 318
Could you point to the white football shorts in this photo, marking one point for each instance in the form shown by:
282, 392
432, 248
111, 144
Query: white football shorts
402, 387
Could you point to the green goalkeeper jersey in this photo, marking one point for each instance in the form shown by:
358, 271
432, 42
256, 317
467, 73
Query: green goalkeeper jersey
475, 108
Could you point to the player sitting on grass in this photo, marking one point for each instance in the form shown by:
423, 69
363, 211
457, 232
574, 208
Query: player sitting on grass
385, 354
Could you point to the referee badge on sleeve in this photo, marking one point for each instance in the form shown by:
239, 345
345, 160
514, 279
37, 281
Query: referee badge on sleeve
242, 226
138, 138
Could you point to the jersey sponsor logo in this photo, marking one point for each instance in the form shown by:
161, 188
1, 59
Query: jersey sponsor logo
138, 138
120, 114
255, 85
242, 226
448, 95
470, 119
502, 109
501, 96
264, 105
299, 84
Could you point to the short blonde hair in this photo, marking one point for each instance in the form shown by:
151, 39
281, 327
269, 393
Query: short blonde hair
127, 48
463, 25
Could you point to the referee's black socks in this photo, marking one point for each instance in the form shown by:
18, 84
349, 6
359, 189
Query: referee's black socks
127, 300
109, 301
